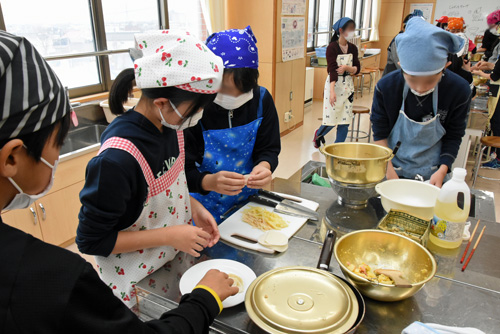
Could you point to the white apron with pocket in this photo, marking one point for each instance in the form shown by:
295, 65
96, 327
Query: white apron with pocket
167, 204
341, 112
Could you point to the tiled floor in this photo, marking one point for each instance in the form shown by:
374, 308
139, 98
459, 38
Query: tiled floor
297, 149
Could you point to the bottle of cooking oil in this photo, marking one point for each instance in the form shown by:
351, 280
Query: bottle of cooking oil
451, 211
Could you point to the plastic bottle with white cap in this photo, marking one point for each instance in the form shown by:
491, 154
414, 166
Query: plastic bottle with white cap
451, 211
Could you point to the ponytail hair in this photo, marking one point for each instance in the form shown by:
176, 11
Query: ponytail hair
124, 83
336, 33
120, 90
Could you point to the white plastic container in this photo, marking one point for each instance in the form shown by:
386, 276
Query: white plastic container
447, 227
131, 102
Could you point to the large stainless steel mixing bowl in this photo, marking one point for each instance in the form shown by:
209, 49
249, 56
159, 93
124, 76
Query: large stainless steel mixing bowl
385, 250
356, 163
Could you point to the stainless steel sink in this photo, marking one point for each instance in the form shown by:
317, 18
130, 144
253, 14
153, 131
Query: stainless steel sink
82, 137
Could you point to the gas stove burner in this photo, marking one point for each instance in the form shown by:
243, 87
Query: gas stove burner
344, 219
354, 196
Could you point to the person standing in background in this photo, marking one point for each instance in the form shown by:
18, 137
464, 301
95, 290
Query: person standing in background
343, 63
490, 38
392, 52
442, 22
493, 105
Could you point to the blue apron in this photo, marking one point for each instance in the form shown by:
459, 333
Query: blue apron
420, 142
229, 150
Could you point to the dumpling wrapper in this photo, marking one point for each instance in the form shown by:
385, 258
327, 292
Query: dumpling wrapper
246, 178
275, 240
238, 282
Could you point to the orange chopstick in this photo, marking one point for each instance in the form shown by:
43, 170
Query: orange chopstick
474, 249
470, 241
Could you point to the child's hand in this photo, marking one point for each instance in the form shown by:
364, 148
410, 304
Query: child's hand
204, 219
220, 283
187, 238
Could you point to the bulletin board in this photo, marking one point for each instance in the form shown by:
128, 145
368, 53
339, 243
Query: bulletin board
292, 37
474, 13
426, 9
293, 7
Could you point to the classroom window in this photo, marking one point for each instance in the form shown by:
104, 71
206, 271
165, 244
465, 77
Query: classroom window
324, 13
86, 42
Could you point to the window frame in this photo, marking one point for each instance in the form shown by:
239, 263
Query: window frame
315, 31
101, 52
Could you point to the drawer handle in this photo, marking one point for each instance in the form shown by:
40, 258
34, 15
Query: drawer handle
44, 216
35, 219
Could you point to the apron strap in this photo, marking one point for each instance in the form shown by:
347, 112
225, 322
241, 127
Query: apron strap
434, 98
155, 185
261, 98
127, 146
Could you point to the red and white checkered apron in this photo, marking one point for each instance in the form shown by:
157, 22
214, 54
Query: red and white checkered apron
167, 205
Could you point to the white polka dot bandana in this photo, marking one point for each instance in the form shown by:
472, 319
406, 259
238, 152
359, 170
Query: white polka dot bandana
175, 58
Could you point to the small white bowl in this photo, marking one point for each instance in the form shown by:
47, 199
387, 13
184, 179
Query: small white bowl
415, 197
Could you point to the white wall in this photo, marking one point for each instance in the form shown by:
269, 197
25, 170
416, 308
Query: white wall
474, 13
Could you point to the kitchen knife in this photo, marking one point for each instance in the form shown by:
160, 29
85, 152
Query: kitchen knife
280, 208
288, 202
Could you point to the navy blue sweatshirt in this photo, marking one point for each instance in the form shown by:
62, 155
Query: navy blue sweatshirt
115, 188
453, 105
267, 144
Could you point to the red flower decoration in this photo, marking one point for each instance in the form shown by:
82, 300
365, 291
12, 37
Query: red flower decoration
210, 81
193, 78
179, 62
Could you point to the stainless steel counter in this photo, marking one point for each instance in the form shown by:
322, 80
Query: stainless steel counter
455, 298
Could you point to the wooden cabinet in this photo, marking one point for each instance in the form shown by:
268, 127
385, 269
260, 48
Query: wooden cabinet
26, 220
54, 217
58, 214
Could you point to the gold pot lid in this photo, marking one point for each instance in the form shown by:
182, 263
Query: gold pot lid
301, 299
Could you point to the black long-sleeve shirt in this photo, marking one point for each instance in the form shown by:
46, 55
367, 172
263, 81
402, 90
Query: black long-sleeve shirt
267, 144
453, 106
489, 43
47, 289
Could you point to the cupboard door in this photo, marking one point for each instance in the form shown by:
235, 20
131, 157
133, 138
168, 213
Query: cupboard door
26, 220
58, 214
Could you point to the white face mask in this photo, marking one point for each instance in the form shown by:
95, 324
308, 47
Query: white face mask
191, 121
494, 31
23, 200
349, 34
229, 102
424, 93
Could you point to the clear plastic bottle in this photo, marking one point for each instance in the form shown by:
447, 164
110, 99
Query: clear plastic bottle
451, 211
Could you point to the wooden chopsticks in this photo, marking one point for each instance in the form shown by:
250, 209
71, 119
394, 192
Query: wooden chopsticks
475, 245
470, 241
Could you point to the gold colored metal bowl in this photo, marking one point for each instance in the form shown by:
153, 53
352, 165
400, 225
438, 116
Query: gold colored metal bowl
385, 250
356, 163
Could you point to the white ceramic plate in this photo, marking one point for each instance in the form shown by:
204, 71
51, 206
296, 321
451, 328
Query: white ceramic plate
194, 274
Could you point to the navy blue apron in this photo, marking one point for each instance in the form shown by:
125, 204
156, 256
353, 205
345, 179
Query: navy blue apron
229, 150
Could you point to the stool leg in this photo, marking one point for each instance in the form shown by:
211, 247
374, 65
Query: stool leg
369, 129
357, 130
478, 164
371, 82
352, 128
362, 84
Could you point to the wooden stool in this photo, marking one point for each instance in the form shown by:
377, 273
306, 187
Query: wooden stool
358, 111
374, 76
486, 142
